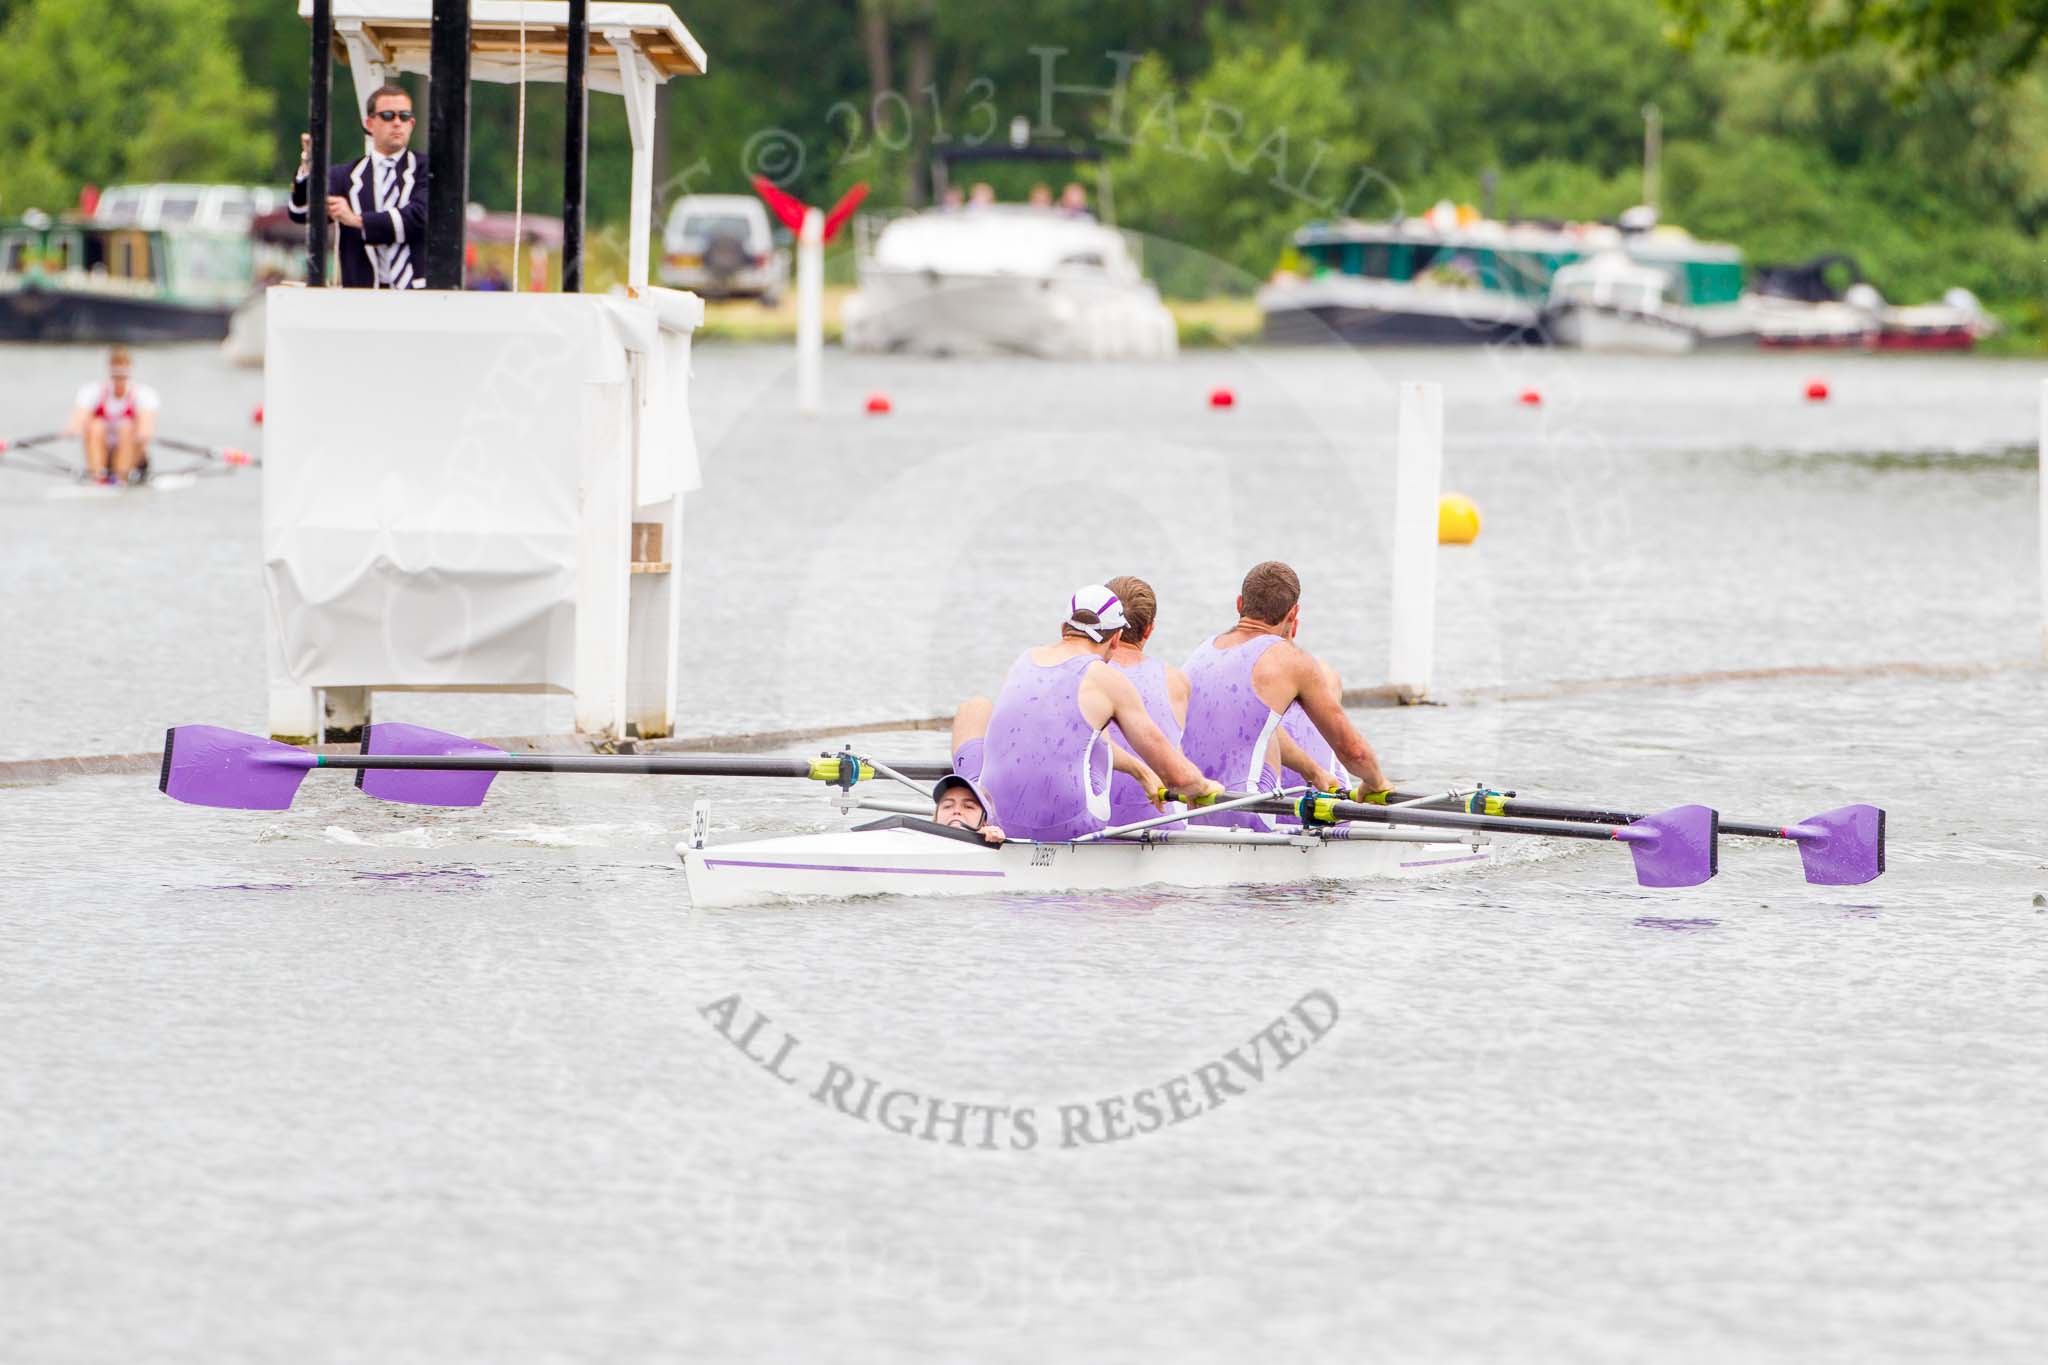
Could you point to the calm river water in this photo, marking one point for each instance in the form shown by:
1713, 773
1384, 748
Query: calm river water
366, 1082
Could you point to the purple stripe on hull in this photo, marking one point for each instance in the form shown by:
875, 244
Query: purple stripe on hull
1444, 862
839, 867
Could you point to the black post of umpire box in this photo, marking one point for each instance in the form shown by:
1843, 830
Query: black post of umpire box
576, 146
448, 145
316, 132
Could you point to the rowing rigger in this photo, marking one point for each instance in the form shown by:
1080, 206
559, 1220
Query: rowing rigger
209, 766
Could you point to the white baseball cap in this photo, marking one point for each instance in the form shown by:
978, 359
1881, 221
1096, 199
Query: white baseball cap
1106, 606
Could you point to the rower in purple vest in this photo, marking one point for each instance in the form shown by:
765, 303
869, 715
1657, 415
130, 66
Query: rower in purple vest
1164, 688
1245, 680
1039, 750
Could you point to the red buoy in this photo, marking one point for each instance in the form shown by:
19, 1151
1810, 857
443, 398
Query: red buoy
1222, 398
1530, 398
1816, 390
257, 416
878, 403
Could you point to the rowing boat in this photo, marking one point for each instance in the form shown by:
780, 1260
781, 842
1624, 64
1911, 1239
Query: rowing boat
1392, 835
910, 857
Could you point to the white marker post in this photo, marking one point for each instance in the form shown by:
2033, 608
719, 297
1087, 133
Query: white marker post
2043, 531
810, 308
1418, 484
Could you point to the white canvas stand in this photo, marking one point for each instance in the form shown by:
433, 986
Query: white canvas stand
452, 487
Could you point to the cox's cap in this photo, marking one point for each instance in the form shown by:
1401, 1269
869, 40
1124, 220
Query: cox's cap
1107, 607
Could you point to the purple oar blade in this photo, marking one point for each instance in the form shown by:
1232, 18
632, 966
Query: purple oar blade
416, 787
1842, 847
1676, 847
205, 765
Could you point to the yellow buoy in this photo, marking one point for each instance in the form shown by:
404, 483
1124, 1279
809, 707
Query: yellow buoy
1457, 520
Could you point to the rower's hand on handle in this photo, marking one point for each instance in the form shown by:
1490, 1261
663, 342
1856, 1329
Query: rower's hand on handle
1152, 784
1371, 796
993, 833
305, 155
1203, 793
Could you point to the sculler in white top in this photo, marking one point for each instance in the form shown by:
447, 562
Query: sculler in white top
117, 418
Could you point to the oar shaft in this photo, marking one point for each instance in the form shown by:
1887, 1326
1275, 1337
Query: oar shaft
1546, 810
663, 765
1448, 819
683, 765
231, 456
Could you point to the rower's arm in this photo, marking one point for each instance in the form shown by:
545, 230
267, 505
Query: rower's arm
1128, 710
1323, 700
1132, 766
75, 426
1178, 693
1295, 758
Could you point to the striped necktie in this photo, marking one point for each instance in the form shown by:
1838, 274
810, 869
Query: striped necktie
394, 262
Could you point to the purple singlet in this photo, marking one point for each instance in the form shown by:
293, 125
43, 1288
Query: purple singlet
1229, 726
1127, 804
1044, 769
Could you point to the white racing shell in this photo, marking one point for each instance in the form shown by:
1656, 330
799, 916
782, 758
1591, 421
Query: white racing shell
909, 860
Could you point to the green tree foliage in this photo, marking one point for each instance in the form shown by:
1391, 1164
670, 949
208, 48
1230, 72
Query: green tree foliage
1233, 160
109, 90
1912, 134
2003, 36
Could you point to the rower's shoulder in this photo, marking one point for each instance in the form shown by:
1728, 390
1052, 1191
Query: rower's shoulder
1283, 653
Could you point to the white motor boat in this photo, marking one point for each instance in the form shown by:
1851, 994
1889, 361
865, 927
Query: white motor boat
1609, 302
1003, 279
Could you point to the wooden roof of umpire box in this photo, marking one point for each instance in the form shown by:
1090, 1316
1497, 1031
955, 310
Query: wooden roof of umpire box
402, 30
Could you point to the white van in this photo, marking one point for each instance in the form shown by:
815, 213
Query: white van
722, 247
215, 208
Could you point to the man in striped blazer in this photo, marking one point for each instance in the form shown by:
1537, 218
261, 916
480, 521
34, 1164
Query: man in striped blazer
378, 202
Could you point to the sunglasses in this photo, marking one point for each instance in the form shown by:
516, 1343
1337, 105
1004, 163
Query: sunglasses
402, 115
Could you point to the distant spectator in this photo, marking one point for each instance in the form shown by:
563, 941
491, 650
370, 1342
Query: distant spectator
117, 418
982, 195
1074, 201
379, 201
1041, 196
952, 199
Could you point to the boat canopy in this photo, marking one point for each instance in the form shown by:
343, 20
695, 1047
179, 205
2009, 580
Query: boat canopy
400, 33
